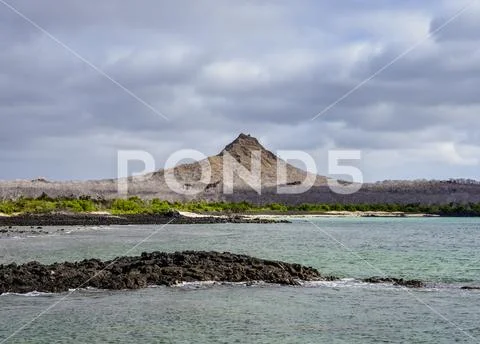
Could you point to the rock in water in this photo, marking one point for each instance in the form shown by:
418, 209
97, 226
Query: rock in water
156, 268
470, 287
396, 281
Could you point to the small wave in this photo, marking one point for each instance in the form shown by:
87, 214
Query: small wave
347, 283
341, 283
350, 283
355, 283
208, 284
20, 236
90, 290
337, 284
29, 294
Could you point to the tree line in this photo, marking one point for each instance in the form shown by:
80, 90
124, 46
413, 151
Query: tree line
136, 205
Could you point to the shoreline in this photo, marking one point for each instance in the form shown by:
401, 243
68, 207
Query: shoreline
96, 219
340, 214
185, 217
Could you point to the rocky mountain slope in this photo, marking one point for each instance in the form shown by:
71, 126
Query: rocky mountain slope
240, 150
190, 186
187, 176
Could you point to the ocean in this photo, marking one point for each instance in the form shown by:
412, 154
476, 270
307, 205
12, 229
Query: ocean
443, 252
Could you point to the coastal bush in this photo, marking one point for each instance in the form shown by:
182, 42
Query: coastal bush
133, 205
277, 207
240, 207
157, 206
36, 206
304, 207
77, 205
316, 207
7, 207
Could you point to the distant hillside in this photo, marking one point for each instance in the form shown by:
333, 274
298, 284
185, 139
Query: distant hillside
188, 176
241, 150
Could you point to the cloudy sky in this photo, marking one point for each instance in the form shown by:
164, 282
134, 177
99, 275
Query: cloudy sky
80, 80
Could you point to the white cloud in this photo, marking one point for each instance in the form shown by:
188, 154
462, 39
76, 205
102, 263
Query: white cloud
216, 68
236, 73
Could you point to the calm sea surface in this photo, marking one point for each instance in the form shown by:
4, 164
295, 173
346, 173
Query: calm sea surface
443, 252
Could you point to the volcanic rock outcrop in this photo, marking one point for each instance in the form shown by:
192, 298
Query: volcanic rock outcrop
395, 281
156, 268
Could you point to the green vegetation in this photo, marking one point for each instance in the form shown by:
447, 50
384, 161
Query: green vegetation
135, 205
46, 205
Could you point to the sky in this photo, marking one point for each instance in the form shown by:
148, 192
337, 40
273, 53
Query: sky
397, 80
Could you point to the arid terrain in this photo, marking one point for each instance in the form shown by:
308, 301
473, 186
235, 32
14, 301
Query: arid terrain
153, 185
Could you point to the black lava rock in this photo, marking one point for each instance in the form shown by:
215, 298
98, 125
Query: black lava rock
396, 281
156, 268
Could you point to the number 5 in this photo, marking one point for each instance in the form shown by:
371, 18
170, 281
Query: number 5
335, 168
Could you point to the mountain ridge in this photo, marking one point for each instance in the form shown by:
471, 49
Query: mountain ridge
191, 187
240, 149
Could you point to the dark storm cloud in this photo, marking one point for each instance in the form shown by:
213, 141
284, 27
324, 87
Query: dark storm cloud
216, 68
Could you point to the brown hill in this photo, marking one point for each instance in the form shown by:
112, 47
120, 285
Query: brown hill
241, 150
191, 186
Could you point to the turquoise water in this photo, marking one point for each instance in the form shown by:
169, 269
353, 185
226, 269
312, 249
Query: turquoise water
441, 251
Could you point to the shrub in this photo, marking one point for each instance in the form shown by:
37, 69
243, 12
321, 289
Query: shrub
159, 207
128, 206
78, 205
277, 207
37, 206
7, 207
